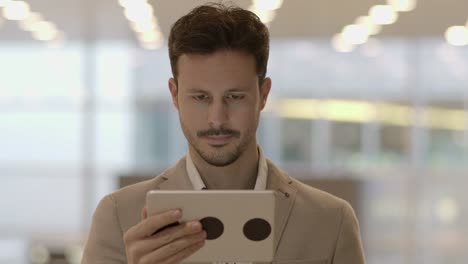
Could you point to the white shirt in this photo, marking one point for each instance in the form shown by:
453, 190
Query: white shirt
260, 183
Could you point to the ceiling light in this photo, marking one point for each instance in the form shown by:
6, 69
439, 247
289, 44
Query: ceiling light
355, 34
143, 12
340, 45
45, 35
43, 26
151, 36
129, 3
266, 16
44, 31
372, 28
145, 26
152, 45
457, 35
4, 2
267, 4
16, 10
383, 14
28, 23
402, 5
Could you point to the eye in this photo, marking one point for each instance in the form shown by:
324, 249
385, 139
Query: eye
200, 97
235, 96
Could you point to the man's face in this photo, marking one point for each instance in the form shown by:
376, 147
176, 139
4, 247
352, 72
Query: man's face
219, 103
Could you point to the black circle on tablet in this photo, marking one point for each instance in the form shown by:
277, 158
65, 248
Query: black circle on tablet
257, 229
213, 226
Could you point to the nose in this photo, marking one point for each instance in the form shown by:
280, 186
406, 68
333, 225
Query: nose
217, 114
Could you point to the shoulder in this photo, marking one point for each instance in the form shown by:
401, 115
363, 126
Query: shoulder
129, 200
313, 197
317, 198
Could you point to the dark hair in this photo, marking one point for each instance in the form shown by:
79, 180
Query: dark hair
215, 26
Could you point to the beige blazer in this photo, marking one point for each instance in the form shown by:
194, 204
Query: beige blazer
312, 226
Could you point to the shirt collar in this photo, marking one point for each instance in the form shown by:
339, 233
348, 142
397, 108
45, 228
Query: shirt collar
260, 183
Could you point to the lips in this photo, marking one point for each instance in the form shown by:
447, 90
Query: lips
218, 140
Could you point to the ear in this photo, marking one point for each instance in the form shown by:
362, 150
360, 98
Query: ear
174, 92
264, 92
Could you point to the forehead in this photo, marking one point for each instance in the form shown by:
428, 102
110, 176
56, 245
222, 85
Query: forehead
220, 66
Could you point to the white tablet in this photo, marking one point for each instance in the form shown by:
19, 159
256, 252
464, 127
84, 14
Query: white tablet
240, 224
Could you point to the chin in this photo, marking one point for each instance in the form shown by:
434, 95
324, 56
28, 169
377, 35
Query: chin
219, 155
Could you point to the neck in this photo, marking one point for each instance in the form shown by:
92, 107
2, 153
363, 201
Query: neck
239, 175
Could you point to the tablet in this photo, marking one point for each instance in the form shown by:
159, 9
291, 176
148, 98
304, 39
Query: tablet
239, 223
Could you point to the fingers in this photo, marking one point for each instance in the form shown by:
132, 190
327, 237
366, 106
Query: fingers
168, 236
185, 253
169, 244
174, 248
151, 224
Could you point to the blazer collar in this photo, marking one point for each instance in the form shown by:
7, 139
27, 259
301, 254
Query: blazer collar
176, 178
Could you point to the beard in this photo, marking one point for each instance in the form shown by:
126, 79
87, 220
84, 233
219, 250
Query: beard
219, 155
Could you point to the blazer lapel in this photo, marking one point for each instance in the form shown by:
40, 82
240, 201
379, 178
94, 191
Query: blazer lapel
176, 177
285, 197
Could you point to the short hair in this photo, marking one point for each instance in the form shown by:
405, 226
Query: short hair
215, 26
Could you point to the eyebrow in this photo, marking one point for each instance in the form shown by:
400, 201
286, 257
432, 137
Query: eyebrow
198, 90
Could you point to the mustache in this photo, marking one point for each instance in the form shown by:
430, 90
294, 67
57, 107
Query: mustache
218, 132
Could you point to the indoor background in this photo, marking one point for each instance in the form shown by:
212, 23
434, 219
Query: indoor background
369, 101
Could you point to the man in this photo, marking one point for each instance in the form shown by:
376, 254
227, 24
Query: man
219, 58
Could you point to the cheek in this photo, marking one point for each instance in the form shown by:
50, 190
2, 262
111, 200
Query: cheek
244, 117
192, 117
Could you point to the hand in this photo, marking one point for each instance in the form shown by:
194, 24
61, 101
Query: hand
171, 245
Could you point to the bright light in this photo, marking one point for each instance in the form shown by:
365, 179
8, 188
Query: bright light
29, 23
4, 2
151, 36
383, 14
142, 12
457, 35
143, 26
267, 4
16, 10
372, 28
446, 119
299, 108
43, 26
44, 35
266, 16
340, 110
402, 5
355, 34
393, 114
130, 3
44, 31
152, 45
340, 45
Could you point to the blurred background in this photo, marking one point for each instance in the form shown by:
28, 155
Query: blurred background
369, 102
